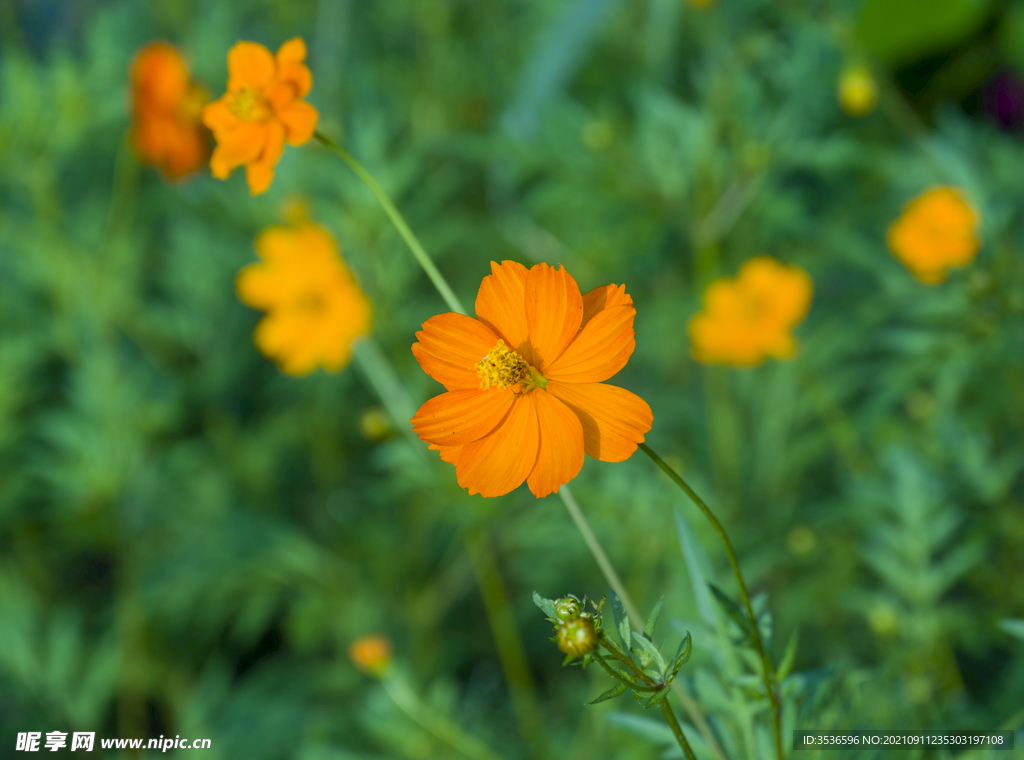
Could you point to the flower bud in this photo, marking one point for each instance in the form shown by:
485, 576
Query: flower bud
567, 608
371, 654
858, 93
577, 637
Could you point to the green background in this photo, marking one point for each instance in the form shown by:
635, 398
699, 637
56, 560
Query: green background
189, 540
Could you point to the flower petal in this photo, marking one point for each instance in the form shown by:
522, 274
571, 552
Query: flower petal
218, 117
460, 417
449, 347
299, 119
600, 349
449, 454
292, 51
604, 297
241, 145
554, 310
249, 65
296, 77
500, 462
500, 304
260, 173
560, 455
614, 420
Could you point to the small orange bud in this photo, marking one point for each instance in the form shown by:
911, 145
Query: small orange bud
371, 654
577, 637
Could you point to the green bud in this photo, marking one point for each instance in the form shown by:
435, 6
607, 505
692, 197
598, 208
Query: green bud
577, 637
567, 608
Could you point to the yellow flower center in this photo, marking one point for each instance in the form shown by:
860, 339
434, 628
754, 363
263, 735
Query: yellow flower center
502, 368
248, 104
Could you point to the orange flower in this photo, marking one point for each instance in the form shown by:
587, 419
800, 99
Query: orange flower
315, 309
262, 109
371, 654
937, 230
526, 396
747, 319
167, 131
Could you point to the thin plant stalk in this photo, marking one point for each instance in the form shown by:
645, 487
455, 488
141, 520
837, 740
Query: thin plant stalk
398, 220
600, 556
731, 553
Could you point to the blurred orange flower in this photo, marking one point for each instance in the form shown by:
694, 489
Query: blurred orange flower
262, 109
749, 318
525, 393
937, 230
315, 309
371, 653
167, 130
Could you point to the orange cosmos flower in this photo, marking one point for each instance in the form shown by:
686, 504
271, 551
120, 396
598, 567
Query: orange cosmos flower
526, 396
937, 230
166, 130
747, 319
262, 109
315, 308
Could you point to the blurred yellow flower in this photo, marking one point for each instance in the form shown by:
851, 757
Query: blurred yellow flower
749, 318
167, 130
937, 230
371, 654
315, 309
858, 93
262, 109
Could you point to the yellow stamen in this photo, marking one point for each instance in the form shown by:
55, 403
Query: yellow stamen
248, 104
502, 368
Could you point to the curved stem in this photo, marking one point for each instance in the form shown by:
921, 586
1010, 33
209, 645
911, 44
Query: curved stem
755, 631
399, 221
670, 718
607, 569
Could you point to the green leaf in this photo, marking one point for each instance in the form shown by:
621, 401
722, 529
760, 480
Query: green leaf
657, 697
732, 610
617, 690
653, 619
788, 657
696, 561
653, 731
621, 621
902, 30
1014, 627
649, 652
682, 654
547, 606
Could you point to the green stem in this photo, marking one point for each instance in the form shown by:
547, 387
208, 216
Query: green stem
670, 718
627, 661
758, 643
434, 723
399, 221
607, 569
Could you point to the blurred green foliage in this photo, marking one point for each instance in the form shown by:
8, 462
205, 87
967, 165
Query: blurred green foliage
189, 540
